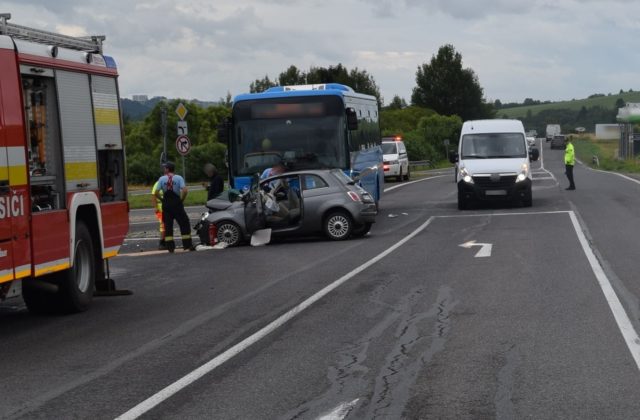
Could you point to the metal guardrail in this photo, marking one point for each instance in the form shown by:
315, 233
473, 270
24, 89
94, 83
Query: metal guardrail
428, 163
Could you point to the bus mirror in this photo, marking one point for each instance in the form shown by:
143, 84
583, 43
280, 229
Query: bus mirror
223, 130
352, 119
453, 156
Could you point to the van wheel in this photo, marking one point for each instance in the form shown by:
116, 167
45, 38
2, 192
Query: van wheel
400, 177
230, 233
462, 202
527, 201
338, 225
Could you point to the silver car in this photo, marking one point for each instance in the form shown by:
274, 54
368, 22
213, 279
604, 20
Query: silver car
297, 203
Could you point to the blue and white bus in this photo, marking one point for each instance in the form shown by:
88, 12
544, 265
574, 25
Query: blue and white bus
305, 127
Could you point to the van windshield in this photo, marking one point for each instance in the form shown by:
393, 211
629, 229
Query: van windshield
493, 145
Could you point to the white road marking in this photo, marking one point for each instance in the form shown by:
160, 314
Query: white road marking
404, 184
625, 326
483, 252
222, 358
628, 178
622, 319
340, 412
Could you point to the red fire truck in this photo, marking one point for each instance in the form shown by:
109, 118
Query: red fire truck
63, 198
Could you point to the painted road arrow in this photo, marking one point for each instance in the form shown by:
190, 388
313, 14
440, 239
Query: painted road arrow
485, 249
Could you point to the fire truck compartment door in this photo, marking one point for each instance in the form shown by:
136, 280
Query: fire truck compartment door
78, 131
106, 111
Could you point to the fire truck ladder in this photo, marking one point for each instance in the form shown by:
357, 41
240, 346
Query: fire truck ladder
89, 43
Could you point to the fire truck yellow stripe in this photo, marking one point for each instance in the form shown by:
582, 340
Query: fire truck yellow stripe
110, 252
80, 170
52, 267
107, 116
6, 275
23, 271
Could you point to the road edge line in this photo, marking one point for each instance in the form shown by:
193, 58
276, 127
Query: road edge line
619, 313
411, 182
167, 392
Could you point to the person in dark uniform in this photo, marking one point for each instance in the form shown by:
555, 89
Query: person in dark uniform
174, 191
216, 183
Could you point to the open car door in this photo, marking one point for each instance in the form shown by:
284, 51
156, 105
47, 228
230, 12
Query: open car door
254, 215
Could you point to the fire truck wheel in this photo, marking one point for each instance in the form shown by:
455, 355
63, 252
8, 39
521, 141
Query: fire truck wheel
77, 284
39, 301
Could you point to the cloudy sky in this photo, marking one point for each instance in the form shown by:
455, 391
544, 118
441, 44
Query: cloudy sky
542, 49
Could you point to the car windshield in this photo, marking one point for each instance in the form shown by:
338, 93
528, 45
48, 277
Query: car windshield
389, 148
493, 145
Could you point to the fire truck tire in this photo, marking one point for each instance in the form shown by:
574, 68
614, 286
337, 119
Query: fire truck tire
39, 301
77, 283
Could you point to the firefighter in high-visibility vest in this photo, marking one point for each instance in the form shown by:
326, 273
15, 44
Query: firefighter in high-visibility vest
174, 191
156, 200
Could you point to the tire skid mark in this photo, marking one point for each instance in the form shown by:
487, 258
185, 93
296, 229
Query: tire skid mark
411, 348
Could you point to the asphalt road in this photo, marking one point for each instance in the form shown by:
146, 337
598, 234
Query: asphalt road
404, 323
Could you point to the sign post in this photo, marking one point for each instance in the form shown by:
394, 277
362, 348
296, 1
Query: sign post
183, 143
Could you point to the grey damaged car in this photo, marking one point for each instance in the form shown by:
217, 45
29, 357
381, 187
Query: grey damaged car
300, 203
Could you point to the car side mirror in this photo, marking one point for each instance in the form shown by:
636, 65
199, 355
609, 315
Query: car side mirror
352, 119
453, 157
534, 154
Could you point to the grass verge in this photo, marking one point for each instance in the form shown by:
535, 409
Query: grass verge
607, 151
194, 198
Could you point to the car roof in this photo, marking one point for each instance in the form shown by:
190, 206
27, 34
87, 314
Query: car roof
319, 172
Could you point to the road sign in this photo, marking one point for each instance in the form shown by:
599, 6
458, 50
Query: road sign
182, 128
485, 249
181, 110
183, 145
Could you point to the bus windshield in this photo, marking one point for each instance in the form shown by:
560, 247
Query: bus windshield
304, 133
493, 145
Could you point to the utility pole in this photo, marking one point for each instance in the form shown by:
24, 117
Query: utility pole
163, 114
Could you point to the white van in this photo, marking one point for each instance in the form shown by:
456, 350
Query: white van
493, 163
396, 161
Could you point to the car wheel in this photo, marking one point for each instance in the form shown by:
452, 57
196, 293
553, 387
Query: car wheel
230, 233
408, 175
360, 230
338, 225
399, 177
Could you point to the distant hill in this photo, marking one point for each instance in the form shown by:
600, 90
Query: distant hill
608, 101
135, 111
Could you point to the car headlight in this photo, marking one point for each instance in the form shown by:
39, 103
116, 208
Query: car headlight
465, 176
524, 174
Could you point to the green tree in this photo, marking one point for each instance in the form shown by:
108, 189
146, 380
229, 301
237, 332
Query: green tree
449, 89
260, 85
397, 103
401, 121
292, 76
359, 80
145, 143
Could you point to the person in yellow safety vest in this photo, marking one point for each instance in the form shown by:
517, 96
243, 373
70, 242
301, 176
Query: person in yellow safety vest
569, 162
156, 200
